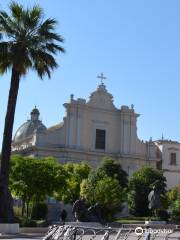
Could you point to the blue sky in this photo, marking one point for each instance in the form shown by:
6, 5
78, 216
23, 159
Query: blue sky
136, 43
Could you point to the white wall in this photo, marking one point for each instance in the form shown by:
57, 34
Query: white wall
171, 172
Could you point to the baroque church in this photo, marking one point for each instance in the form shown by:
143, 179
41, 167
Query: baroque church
90, 130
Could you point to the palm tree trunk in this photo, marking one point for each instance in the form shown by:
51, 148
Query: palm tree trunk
6, 201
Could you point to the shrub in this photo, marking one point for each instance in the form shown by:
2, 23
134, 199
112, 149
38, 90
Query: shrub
28, 223
162, 214
39, 211
102, 189
176, 210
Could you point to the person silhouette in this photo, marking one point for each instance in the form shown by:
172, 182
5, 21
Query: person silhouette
63, 215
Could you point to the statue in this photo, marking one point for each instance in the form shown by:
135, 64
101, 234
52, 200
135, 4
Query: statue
80, 211
154, 199
82, 214
95, 213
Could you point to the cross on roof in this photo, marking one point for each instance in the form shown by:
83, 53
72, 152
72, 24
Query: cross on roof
102, 77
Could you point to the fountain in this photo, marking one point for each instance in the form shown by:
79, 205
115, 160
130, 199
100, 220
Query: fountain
90, 225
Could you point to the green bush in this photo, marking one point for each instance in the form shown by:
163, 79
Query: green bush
176, 210
39, 211
162, 214
28, 223
102, 189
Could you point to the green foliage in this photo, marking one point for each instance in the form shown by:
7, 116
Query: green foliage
105, 190
162, 214
113, 169
39, 211
173, 199
32, 180
107, 186
139, 187
176, 210
88, 186
173, 194
28, 223
75, 173
133, 220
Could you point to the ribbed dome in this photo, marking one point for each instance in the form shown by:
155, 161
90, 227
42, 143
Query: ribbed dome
30, 127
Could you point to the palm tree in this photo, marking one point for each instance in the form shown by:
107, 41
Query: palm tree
27, 41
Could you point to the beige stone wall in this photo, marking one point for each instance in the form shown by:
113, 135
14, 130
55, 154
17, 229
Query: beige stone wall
74, 138
99, 112
173, 178
171, 172
129, 163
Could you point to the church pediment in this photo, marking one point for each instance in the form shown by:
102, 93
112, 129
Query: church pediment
101, 98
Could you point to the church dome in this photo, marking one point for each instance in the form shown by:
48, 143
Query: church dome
30, 127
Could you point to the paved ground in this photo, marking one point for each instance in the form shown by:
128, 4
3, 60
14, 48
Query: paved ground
132, 236
22, 236
128, 235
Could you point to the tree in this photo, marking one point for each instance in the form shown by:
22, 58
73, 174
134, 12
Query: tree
27, 41
32, 180
75, 175
140, 185
107, 186
88, 186
105, 190
39, 211
113, 169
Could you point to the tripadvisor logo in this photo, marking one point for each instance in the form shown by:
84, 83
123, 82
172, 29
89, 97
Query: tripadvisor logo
139, 231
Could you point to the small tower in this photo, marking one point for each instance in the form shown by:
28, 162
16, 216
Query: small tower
35, 114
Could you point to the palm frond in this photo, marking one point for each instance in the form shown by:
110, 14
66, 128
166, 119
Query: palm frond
4, 66
5, 27
49, 24
36, 12
16, 10
53, 48
51, 36
42, 69
4, 49
42, 56
34, 42
32, 17
5, 56
4, 14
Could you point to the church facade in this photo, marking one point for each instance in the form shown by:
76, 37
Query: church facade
89, 131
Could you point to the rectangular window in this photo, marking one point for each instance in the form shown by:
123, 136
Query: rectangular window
100, 139
172, 158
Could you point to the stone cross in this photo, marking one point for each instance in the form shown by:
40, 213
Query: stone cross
102, 77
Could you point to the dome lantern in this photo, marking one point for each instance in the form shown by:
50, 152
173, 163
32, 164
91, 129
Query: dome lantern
35, 114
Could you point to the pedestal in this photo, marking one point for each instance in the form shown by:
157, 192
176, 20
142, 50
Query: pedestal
85, 224
9, 228
150, 222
